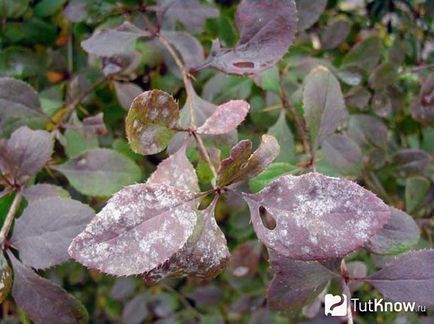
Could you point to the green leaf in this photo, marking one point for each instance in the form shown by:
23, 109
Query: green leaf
100, 172
324, 106
416, 189
5, 278
364, 55
150, 121
13, 8
47, 8
76, 143
281, 131
274, 171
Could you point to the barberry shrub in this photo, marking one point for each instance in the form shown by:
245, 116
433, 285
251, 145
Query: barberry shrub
334, 174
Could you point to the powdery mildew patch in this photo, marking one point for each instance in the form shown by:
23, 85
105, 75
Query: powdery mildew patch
317, 217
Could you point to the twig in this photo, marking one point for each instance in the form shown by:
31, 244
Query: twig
9, 218
300, 123
204, 152
346, 291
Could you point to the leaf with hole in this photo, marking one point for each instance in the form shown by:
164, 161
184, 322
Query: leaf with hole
315, 217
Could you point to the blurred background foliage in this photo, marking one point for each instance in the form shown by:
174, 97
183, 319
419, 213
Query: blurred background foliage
382, 51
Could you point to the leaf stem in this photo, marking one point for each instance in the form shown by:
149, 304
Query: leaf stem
9, 218
300, 123
346, 291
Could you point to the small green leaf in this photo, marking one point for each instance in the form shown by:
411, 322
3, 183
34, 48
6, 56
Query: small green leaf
150, 121
100, 172
416, 189
76, 143
274, 171
5, 278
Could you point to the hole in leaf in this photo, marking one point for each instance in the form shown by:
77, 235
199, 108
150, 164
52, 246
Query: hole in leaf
266, 218
247, 65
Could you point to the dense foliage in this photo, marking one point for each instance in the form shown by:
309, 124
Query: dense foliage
195, 162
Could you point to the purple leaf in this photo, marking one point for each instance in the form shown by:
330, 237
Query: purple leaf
46, 228
126, 92
42, 300
188, 47
342, 153
422, 107
245, 259
94, 126
43, 191
335, 33
19, 104
267, 28
324, 106
25, 153
308, 12
364, 55
136, 310
383, 75
140, 228
242, 164
150, 121
412, 161
367, 130
5, 278
123, 288
398, 234
100, 172
204, 255
295, 283
409, 278
176, 171
191, 13
316, 217
109, 42
225, 118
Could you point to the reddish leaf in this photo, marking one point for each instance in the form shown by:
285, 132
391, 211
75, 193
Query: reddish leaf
46, 228
176, 171
225, 118
399, 234
25, 153
204, 255
43, 301
242, 164
409, 278
150, 121
140, 228
267, 28
295, 283
315, 216
94, 126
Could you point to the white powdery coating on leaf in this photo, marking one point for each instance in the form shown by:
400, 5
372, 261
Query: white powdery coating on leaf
317, 217
225, 118
141, 227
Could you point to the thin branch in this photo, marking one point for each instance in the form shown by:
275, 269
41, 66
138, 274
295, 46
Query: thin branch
346, 291
10, 218
300, 123
204, 153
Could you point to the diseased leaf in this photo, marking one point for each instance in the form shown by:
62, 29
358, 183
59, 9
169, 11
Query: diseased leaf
274, 171
316, 217
5, 278
364, 55
295, 283
176, 171
256, 50
409, 278
324, 106
136, 310
342, 154
44, 231
411, 161
245, 259
19, 105
140, 228
367, 130
281, 131
191, 13
203, 256
416, 189
150, 121
335, 33
398, 234
308, 12
43, 301
126, 92
99, 172
242, 164
25, 153
225, 118
422, 107
43, 191
109, 42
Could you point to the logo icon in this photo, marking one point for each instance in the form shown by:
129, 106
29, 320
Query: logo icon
336, 305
